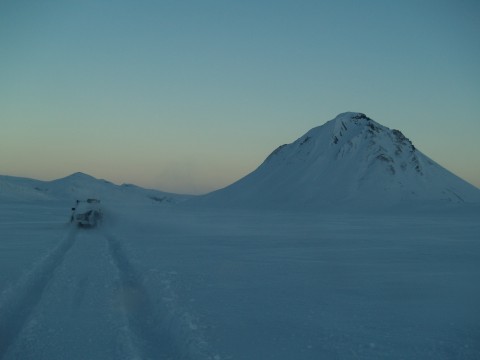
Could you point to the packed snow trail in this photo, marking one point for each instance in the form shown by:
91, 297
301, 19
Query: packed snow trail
86, 300
17, 304
163, 330
139, 310
79, 315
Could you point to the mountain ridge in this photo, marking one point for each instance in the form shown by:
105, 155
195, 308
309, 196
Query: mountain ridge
350, 161
79, 186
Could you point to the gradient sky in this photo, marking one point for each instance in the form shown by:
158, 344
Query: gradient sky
189, 96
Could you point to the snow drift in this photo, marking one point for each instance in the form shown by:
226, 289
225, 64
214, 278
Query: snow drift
349, 161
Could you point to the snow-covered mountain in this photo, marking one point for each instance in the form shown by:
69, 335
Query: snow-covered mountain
78, 186
350, 160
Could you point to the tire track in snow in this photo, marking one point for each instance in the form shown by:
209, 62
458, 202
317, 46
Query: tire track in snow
154, 327
17, 303
139, 310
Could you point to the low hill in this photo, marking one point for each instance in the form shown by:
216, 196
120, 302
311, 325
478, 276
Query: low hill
79, 186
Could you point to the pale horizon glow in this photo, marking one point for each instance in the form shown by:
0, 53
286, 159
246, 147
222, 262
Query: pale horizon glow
190, 96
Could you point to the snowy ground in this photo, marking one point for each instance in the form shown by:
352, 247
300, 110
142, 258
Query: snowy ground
175, 283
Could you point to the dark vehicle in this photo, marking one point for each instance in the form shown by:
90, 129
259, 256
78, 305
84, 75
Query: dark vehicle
87, 213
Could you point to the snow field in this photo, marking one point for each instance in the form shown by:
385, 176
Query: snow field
179, 283
85, 299
286, 285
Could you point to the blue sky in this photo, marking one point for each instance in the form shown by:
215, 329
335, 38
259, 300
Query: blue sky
189, 96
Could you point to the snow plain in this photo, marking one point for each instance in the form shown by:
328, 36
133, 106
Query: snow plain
159, 281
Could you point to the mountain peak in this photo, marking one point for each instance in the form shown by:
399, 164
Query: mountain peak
355, 120
347, 116
352, 119
78, 176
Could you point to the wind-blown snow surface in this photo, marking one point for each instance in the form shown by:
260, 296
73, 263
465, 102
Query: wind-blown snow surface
157, 282
349, 162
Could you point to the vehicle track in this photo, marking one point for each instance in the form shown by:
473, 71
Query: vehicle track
156, 322
17, 303
50, 310
149, 332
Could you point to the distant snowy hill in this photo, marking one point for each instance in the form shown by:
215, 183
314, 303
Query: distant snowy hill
78, 186
350, 160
